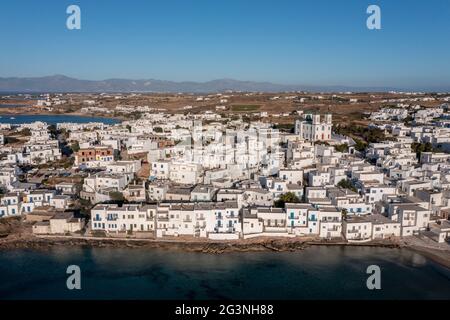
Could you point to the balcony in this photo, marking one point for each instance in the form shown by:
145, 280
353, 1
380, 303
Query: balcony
187, 220
334, 220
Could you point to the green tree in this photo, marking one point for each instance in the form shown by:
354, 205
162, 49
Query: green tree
346, 184
25, 132
37, 160
408, 120
11, 140
360, 145
418, 148
53, 131
341, 147
288, 197
116, 196
75, 146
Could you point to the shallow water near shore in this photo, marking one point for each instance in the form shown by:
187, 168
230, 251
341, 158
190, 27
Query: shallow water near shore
317, 272
53, 119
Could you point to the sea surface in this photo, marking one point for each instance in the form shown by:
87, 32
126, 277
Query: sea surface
315, 273
53, 119
12, 105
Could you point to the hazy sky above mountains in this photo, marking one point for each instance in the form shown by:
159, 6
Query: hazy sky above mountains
290, 42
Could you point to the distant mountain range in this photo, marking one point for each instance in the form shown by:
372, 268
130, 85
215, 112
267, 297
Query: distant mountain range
61, 83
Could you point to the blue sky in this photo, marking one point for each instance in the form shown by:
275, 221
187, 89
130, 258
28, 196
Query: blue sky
316, 42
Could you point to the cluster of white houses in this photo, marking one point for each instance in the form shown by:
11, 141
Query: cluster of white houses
12, 204
230, 179
39, 148
227, 220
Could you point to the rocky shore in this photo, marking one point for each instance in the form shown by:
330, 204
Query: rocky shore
14, 235
204, 246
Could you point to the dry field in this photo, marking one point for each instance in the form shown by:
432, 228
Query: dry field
237, 104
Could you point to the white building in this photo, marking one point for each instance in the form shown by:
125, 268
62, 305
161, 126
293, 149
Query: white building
311, 128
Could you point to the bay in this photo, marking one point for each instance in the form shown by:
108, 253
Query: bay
53, 119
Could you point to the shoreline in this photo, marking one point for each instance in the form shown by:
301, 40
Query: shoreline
262, 244
7, 112
435, 255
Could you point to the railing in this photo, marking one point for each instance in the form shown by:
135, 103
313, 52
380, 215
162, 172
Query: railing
335, 220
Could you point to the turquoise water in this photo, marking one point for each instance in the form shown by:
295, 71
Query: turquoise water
314, 273
53, 119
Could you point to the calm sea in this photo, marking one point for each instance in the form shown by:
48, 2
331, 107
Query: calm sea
314, 273
53, 119
12, 105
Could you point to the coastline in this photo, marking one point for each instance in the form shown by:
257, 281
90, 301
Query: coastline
274, 244
438, 256
18, 112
